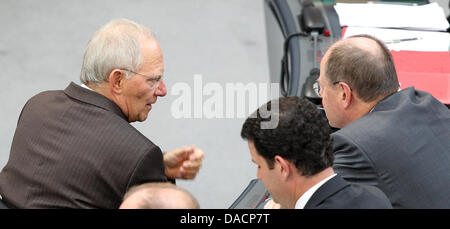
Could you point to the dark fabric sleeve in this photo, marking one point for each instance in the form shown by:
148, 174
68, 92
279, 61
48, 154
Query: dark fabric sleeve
351, 162
149, 169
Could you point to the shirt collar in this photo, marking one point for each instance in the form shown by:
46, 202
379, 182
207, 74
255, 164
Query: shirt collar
301, 202
84, 85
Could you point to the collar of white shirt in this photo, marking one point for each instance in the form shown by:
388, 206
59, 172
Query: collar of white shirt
84, 85
301, 202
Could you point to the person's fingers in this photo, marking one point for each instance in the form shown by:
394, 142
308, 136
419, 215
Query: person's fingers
186, 160
176, 156
184, 151
196, 154
193, 162
190, 169
186, 174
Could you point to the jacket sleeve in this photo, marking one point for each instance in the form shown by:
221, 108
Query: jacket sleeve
149, 169
351, 162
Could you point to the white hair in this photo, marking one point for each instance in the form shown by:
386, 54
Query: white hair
117, 45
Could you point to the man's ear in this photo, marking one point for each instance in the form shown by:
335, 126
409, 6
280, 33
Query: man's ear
345, 95
284, 167
116, 80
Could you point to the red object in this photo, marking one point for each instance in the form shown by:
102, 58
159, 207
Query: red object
344, 29
426, 71
326, 33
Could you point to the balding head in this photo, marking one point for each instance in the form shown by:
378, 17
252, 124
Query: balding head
158, 196
365, 64
365, 43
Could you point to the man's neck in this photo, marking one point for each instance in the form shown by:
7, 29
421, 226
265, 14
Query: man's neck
103, 89
95, 87
363, 109
359, 108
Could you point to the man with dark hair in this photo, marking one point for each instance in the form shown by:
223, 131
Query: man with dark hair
398, 141
295, 160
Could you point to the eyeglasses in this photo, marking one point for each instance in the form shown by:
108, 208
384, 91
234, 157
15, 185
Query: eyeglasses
153, 81
316, 87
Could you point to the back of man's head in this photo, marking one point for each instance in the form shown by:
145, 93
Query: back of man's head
115, 45
301, 137
365, 64
158, 196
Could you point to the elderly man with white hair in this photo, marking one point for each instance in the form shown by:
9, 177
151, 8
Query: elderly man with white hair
75, 148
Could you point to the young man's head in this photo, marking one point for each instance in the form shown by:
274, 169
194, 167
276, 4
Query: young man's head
299, 147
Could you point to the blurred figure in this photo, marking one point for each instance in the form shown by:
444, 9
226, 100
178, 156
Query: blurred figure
396, 140
75, 148
295, 160
158, 196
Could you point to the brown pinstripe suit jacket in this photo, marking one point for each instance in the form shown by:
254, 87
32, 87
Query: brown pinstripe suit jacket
76, 149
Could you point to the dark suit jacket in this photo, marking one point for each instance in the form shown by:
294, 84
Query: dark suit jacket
76, 149
336, 193
402, 147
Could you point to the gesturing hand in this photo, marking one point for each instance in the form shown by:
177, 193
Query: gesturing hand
183, 163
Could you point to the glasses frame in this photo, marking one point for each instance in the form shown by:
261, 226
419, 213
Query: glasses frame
156, 80
316, 87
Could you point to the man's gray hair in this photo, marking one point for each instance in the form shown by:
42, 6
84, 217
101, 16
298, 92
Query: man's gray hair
115, 45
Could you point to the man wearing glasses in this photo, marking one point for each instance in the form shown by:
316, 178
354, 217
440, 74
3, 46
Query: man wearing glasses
397, 140
76, 149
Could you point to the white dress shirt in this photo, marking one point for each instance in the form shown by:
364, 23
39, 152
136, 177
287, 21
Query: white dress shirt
301, 202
